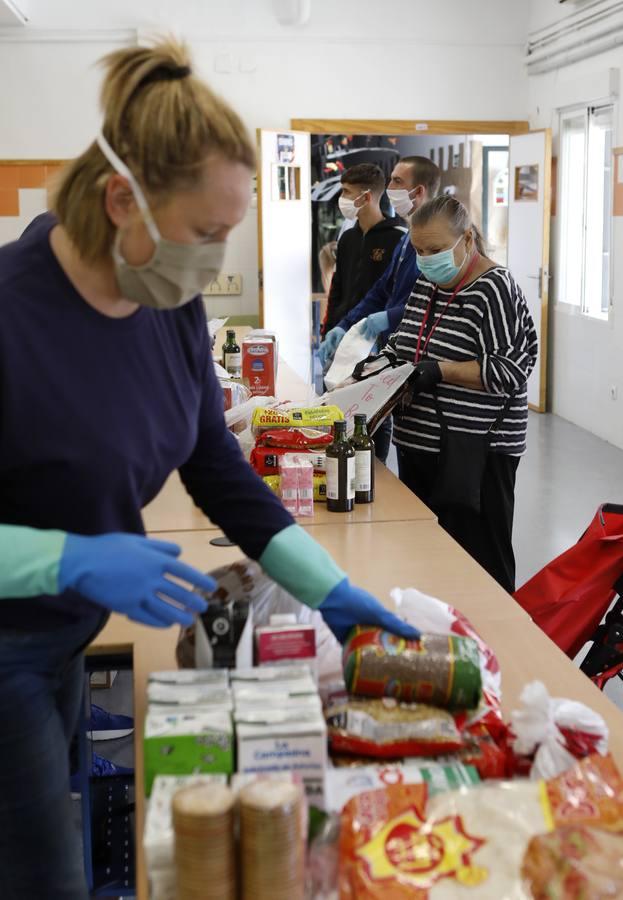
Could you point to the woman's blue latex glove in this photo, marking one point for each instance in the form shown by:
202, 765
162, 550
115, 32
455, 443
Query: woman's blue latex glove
375, 324
130, 574
327, 349
346, 606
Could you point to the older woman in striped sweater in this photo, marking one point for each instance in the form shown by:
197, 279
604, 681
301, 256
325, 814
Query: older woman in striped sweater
462, 430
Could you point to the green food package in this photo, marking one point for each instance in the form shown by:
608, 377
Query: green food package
187, 743
438, 669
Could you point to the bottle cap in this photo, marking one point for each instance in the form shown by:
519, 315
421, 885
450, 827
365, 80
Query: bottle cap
361, 417
340, 425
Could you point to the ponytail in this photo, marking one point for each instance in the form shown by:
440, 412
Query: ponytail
163, 121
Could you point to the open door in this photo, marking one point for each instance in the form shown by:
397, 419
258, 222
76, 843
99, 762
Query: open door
529, 209
284, 243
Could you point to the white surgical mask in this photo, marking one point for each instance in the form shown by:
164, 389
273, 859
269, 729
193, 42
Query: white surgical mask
176, 272
348, 208
401, 201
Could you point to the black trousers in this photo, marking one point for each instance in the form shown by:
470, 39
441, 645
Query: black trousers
486, 536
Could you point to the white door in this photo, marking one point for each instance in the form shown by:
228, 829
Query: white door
529, 209
284, 222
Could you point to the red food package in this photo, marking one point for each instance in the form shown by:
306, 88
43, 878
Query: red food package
265, 460
293, 438
378, 829
386, 729
489, 758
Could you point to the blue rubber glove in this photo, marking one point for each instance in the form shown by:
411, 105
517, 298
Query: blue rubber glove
375, 324
346, 606
129, 574
327, 349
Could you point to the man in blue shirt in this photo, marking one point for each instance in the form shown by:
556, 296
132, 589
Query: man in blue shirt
414, 181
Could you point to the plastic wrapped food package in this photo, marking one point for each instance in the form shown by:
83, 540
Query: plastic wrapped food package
470, 843
318, 417
387, 729
294, 438
574, 862
441, 670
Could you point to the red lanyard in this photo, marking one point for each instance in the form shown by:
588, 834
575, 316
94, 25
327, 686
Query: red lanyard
420, 353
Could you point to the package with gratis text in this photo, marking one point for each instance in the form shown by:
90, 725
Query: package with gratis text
320, 418
187, 742
467, 844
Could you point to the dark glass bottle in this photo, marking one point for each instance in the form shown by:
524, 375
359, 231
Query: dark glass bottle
340, 471
364, 460
232, 357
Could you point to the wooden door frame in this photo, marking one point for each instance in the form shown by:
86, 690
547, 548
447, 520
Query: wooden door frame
414, 127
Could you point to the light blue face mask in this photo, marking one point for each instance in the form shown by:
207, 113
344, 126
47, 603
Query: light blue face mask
440, 268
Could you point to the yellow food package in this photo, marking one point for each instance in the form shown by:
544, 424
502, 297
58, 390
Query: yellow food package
320, 486
320, 417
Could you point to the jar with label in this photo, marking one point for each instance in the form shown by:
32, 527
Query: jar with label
232, 356
364, 460
340, 471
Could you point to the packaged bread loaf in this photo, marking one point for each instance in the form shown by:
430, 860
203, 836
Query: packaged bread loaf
470, 844
320, 418
441, 670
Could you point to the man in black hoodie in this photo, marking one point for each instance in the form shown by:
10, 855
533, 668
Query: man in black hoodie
365, 250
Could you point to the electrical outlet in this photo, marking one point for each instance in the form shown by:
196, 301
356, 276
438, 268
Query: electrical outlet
613, 392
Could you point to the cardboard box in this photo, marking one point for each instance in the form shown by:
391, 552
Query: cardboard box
158, 836
259, 365
301, 674
187, 743
206, 696
284, 740
218, 678
279, 644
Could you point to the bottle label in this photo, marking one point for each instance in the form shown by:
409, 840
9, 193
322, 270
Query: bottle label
333, 479
363, 470
233, 363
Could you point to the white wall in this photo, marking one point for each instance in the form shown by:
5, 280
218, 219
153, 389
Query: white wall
351, 60
586, 355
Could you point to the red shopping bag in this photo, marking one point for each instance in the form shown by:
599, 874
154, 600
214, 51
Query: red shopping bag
570, 596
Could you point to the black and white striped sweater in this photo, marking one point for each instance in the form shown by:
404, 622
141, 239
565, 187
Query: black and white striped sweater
489, 321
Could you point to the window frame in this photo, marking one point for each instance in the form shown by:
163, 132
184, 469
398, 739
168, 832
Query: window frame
564, 113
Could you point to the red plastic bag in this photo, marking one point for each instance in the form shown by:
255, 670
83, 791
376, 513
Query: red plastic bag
569, 597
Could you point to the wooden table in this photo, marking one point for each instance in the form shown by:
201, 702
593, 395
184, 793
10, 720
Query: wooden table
381, 556
173, 509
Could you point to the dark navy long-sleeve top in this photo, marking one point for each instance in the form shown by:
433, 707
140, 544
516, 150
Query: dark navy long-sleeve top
95, 414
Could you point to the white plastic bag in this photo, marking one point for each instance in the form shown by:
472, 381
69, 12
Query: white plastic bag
537, 726
352, 349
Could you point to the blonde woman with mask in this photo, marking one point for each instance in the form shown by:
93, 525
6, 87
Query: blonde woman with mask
107, 387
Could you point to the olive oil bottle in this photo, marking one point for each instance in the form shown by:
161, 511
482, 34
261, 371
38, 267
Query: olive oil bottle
340, 471
363, 446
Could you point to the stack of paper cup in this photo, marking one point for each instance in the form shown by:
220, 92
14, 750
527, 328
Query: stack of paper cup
272, 843
205, 858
